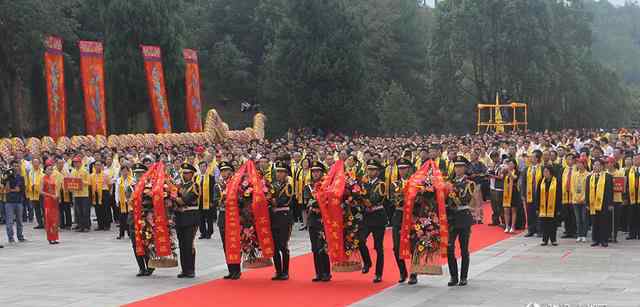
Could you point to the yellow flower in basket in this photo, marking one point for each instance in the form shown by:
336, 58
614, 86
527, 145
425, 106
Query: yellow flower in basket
420, 248
348, 253
356, 241
417, 227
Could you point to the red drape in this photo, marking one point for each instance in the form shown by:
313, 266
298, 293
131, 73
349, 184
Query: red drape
260, 210
92, 71
137, 212
233, 250
54, 77
329, 198
161, 230
193, 107
156, 87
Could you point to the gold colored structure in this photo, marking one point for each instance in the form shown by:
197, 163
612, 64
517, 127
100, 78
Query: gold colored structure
495, 122
215, 131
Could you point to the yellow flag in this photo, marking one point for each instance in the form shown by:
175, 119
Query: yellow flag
499, 124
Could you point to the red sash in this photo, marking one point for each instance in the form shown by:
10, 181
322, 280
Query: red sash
329, 197
233, 250
260, 210
137, 212
161, 229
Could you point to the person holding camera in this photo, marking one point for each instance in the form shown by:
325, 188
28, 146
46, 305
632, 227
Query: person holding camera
14, 188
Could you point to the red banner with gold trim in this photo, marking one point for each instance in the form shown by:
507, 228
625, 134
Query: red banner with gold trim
92, 72
161, 230
156, 87
193, 108
54, 78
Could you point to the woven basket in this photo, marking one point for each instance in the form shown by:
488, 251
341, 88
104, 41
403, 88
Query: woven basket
257, 263
427, 269
163, 262
347, 266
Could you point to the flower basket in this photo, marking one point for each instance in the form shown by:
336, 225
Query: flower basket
256, 263
426, 263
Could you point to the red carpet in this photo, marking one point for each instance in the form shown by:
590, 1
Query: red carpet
255, 288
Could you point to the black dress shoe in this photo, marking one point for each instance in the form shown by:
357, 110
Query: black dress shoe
413, 279
284, 277
462, 283
150, 272
141, 273
605, 244
277, 277
326, 278
235, 276
377, 279
228, 276
529, 235
453, 282
554, 243
365, 269
202, 237
317, 279
544, 244
594, 244
186, 275
403, 278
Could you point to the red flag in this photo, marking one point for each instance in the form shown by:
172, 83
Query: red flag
155, 85
92, 71
54, 77
192, 79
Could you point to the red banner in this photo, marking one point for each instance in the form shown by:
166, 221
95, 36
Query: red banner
329, 198
137, 214
92, 72
155, 86
54, 78
192, 78
232, 248
260, 210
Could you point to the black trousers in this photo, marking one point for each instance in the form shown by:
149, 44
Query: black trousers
549, 229
65, 214
378, 245
233, 268
320, 256
84, 212
497, 216
37, 208
281, 254
520, 217
532, 218
601, 226
123, 224
624, 218
633, 221
402, 266
616, 217
207, 218
297, 211
462, 235
186, 237
102, 215
142, 261
569, 218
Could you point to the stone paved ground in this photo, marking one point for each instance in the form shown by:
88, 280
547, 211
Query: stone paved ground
95, 269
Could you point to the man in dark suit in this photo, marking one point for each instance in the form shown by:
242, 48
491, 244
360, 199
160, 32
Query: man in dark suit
375, 218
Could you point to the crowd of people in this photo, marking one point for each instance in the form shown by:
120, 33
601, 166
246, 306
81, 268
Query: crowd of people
582, 180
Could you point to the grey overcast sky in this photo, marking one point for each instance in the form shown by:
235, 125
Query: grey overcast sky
616, 2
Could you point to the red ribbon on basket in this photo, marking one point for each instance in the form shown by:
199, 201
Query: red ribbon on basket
329, 197
260, 210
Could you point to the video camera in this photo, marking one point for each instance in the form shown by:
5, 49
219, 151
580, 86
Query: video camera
7, 175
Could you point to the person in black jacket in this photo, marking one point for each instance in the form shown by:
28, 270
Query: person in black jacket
187, 220
549, 199
460, 220
281, 219
396, 221
599, 196
375, 218
315, 225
